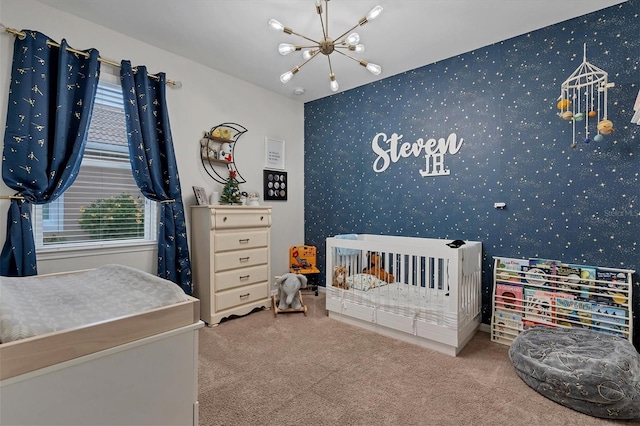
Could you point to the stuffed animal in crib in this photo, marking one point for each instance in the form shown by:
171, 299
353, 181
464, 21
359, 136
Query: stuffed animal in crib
288, 286
340, 277
375, 268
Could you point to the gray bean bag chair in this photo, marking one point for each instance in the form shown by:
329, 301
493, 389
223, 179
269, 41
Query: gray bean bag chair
591, 372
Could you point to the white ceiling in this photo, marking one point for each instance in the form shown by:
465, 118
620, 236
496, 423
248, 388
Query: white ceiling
232, 36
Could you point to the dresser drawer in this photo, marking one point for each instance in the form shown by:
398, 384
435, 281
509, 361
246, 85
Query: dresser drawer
240, 259
241, 277
239, 296
240, 218
240, 240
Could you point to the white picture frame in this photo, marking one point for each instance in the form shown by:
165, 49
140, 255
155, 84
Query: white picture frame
274, 154
201, 195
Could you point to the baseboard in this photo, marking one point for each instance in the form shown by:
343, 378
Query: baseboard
485, 327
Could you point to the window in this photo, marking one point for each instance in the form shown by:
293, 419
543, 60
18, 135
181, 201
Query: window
104, 205
52, 215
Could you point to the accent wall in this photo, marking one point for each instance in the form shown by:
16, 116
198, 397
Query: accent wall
494, 109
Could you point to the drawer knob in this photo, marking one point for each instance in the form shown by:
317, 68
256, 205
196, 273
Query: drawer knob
245, 277
261, 217
244, 296
224, 219
243, 240
244, 259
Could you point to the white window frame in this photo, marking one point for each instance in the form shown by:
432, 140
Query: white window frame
55, 222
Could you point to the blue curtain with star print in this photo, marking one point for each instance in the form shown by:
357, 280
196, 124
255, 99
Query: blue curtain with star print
50, 104
154, 167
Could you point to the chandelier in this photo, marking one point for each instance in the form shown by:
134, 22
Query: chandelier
349, 41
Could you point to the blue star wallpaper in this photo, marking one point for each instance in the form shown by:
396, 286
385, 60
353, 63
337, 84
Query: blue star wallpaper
499, 136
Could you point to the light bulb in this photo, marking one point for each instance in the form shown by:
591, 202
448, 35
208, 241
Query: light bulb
374, 69
333, 84
307, 54
373, 13
286, 48
352, 39
276, 25
358, 48
286, 77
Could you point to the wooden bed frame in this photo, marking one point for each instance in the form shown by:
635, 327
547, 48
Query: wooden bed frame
138, 369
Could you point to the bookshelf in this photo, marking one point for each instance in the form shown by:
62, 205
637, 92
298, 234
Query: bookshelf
541, 292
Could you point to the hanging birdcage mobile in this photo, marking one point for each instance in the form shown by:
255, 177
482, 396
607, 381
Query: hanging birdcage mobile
583, 99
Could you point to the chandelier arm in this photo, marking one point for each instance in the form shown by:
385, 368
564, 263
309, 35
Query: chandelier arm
360, 61
341, 38
305, 62
304, 37
325, 28
330, 67
344, 46
312, 46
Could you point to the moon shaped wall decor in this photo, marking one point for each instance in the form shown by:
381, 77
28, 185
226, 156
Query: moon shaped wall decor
217, 151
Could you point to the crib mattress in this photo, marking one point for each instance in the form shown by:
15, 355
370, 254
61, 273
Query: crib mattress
420, 303
32, 306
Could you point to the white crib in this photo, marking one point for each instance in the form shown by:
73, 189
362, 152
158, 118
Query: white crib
433, 299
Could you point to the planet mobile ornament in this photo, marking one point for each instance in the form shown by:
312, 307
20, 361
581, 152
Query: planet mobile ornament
583, 97
605, 127
567, 115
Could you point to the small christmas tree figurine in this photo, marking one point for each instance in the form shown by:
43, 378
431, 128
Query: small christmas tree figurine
230, 192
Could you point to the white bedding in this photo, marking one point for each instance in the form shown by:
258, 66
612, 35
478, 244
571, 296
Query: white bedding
421, 303
31, 306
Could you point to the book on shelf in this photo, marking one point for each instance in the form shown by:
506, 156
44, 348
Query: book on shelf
612, 292
571, 311
509, 296
610, 319
587, 279
550, 264
568, 278
507, 324
510, 268
536, 275
539, 306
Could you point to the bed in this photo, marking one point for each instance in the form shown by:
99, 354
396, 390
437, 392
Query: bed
419, 290
112, 345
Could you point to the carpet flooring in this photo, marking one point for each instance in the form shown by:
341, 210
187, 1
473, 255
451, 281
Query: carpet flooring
292, 369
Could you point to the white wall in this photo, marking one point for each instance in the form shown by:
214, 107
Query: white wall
207, 98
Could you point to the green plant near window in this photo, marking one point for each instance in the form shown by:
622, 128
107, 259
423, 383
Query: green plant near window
116, 217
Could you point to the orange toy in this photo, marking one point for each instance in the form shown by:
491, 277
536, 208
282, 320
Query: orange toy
376, 270
302, 260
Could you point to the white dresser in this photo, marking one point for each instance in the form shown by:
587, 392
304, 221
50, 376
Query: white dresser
230, 252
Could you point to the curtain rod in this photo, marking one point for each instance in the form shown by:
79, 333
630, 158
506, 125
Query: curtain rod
22, 35
20, 197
